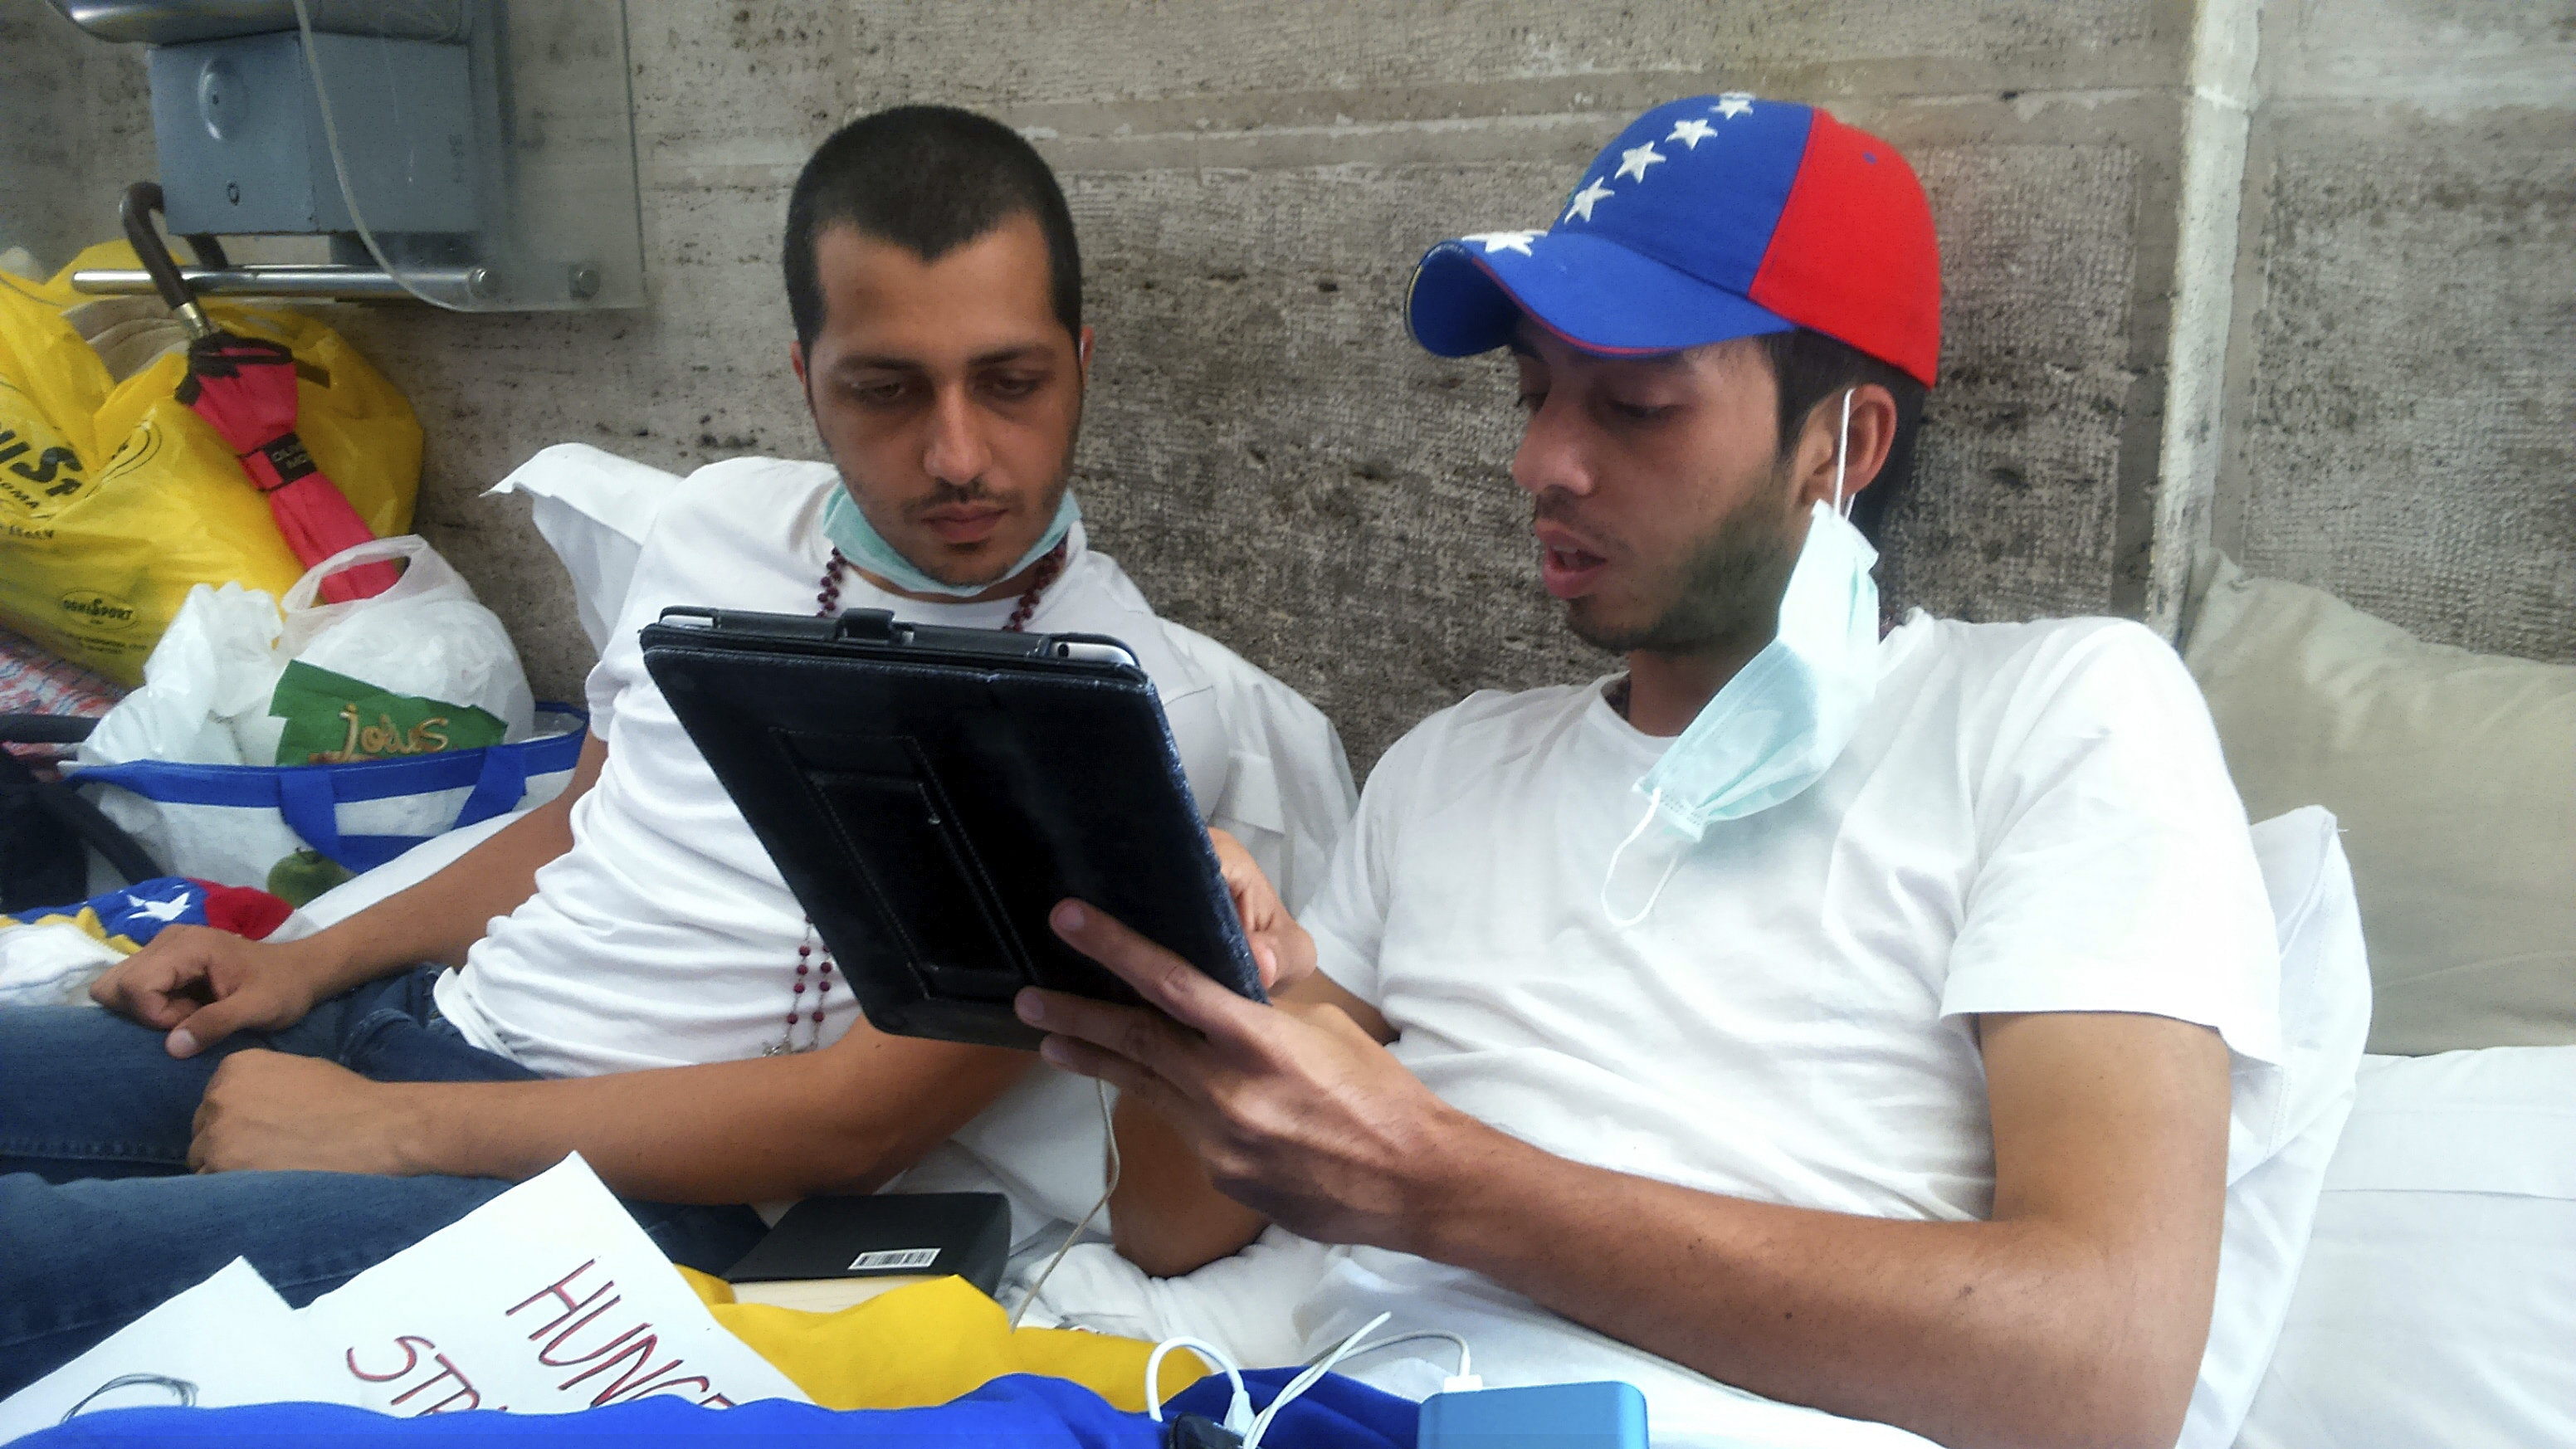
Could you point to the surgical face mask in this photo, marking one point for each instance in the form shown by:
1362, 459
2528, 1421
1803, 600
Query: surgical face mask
1787, 715
860, 543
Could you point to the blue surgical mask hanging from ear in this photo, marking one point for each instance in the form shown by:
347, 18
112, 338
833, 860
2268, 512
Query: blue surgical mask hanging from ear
1787, 715
859, 542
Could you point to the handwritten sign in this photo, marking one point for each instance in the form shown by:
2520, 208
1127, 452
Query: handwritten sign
547, 1299
229, 1340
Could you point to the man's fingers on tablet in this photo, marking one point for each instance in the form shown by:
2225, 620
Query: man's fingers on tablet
1080, 1057
1143, 1037
1159, 976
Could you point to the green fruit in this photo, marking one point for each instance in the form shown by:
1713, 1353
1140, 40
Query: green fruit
307, 873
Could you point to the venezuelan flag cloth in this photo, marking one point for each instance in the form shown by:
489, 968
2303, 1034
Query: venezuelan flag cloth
1022, 1411
49, 955
930, 1343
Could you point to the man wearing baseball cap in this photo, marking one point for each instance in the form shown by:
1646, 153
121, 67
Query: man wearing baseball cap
1826, 1029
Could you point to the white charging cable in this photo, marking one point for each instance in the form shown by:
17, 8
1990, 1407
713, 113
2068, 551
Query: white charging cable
1109, 1184
1238, 1411
1239, 1418
1313, 1375
1463, 1381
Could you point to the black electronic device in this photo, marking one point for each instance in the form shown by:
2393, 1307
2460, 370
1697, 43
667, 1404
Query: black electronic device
827, 1253
929, 794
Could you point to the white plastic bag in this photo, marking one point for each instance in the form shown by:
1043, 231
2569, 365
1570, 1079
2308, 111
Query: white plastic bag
426, 636
205, 686
187, 763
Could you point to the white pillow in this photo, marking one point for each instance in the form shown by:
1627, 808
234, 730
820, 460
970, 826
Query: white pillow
2284, 1122
594, 509
2454, 775
2438, 1305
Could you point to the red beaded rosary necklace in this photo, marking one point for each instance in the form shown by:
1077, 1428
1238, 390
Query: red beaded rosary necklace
818, 974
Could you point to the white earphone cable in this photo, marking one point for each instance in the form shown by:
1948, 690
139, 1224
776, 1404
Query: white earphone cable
1109, 1184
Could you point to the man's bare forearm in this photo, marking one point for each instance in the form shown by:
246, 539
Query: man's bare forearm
441, 918
841, 1120
1984, 1333
1165, 1216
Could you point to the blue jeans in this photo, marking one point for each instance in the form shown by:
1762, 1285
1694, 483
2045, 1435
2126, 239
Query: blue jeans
100, 1219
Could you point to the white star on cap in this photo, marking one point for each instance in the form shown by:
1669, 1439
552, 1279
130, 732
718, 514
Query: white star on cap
1693, 131
1505, 241
1635, 160
1590, 196
1733, 104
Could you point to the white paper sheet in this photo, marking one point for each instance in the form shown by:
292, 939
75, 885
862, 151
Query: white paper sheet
229, 1340
547, 1299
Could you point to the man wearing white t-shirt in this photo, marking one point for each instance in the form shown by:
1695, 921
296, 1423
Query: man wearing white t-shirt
1826, 1029
630, 977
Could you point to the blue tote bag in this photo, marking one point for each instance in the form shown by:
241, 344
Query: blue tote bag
309, 825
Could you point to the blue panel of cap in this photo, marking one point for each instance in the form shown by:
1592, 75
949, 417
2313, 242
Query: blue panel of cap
1698, 185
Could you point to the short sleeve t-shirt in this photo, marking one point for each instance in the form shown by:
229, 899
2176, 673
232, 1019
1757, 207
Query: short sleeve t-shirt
665, 937
2032, 817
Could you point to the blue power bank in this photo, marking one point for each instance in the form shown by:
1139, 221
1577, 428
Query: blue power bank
1544, 1416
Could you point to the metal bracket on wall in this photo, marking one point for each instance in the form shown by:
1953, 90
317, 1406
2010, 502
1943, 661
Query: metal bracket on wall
362, 284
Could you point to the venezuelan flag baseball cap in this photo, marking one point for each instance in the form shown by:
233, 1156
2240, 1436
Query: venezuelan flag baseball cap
1709, 219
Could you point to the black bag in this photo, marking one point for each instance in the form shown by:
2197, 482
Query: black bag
47, 830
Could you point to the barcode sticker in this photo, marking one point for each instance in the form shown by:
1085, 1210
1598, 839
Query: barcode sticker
896, 1259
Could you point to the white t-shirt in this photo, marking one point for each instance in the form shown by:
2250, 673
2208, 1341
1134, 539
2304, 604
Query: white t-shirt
2033, 817
665, 936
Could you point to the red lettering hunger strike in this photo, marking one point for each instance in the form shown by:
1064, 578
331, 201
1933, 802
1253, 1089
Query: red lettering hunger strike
412, 1345
634, 1348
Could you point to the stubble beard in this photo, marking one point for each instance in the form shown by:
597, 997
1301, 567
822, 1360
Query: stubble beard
1729, 595
974, 490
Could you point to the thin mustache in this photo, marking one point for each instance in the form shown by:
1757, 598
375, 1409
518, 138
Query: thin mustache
1559, 509
949, 495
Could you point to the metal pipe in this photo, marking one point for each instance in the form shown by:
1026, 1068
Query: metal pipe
290, 280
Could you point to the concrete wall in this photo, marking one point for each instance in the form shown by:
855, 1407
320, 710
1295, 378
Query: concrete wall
75, 127
1265, 450
2403, 407
1274, 460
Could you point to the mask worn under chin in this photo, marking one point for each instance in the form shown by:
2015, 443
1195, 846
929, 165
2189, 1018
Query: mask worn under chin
859, 542
1787, 715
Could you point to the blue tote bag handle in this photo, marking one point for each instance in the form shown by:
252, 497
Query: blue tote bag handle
308, 799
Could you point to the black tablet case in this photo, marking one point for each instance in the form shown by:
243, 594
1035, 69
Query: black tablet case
930, 794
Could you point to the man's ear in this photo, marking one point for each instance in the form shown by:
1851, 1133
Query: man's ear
796, 360
1871, 437
1082, 351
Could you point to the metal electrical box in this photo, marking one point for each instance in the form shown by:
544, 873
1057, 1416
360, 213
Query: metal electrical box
473, 154
243, 147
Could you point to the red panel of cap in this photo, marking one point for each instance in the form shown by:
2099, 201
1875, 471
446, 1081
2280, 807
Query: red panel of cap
1853, 255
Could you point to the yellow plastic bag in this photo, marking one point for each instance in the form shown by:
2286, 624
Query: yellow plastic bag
928, 1343
115, 499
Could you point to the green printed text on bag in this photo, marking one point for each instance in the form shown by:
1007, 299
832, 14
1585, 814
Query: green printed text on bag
332, 719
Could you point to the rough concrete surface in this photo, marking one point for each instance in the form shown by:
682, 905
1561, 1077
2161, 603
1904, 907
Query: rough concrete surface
40, 64
1265, 450
75, 127
2403, 411
2410, 431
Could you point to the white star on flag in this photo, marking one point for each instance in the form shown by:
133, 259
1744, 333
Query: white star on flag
1733, 104
1635, 160
1590, 196
164, 911
1505, 241
1693, 131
